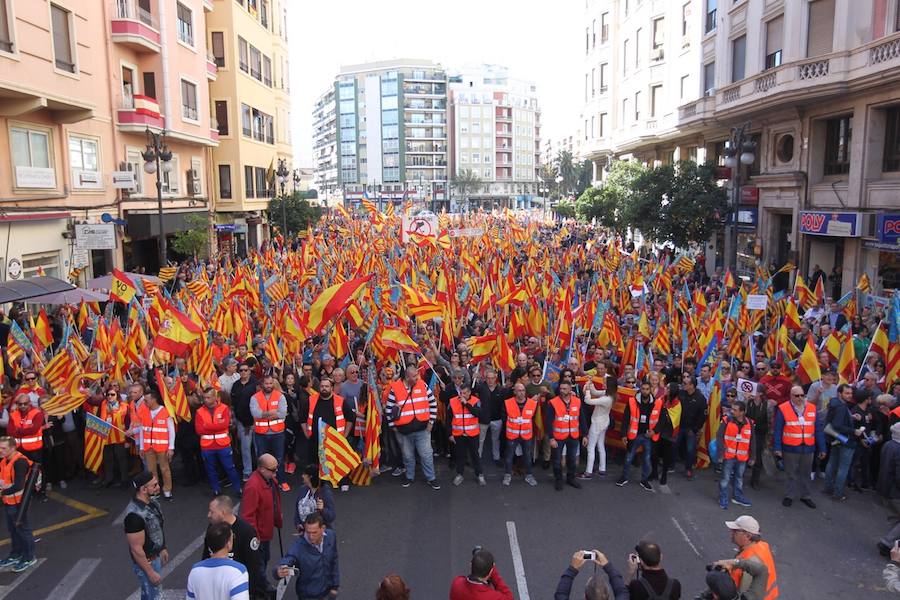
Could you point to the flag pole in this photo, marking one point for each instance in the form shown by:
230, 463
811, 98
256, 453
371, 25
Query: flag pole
862, 363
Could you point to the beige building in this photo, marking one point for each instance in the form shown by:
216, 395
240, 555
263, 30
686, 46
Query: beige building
666, 81
251, 109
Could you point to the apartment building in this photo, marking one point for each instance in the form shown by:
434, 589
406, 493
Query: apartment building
325, 156
495, 124
250, 100
804, 74
390, 133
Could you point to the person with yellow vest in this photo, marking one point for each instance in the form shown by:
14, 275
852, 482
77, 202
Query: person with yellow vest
268, 407
333, 410
26, 424
464, 431
639, 428
14, 469
736, 449
798, 435
753, 569
411, 411
157, 440
212, 422
518, 414
562, 417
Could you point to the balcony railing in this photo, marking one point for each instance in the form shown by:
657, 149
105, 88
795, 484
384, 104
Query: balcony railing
134, 27
130, 9
137, 112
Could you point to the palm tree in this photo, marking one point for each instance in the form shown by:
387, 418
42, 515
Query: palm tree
466, 182
565, 166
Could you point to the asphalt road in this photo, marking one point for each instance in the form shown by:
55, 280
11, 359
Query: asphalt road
427, 536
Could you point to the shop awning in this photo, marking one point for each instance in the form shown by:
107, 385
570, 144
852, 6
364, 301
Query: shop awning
32, 287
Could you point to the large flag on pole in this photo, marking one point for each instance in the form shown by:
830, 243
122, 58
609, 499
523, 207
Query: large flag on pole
96, 434
332, 301
336, 457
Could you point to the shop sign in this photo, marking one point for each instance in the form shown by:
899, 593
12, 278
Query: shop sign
881, 246
750, 195
14, 268
35, 177
748, 216
123, 180
834, 224
96, 236
228, 227
888, 228
240, 228
86, 180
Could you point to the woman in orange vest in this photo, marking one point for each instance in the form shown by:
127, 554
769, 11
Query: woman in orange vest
157, 439
519, 412
563, 416
639, 429
14, 469
464, 411
737, 446
212, 422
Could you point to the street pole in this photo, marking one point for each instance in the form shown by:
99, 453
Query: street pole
157, 159
740, 152
282, 174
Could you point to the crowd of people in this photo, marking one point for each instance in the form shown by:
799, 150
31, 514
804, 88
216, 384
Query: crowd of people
532, 347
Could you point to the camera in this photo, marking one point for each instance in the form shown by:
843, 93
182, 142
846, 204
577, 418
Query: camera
588, 555
714, 568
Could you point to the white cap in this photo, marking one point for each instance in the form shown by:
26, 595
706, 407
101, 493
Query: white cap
744, 523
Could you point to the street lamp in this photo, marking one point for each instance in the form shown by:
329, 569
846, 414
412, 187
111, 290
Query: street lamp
282, 174
739, 151
158, 160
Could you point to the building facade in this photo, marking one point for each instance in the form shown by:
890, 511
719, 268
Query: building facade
325, 155
250, 100
668, 81
495, 124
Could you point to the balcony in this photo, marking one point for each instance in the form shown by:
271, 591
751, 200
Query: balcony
213, 129
212, 69
504, 133
137, 113
134, 27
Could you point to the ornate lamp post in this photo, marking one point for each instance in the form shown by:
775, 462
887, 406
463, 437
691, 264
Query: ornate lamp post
158, 160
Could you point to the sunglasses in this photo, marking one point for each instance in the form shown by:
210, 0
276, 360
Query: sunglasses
797, 395
31, 379
23, 403
112, 394
244, 370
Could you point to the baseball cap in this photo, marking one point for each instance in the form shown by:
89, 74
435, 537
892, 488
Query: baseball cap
744, 523
141, 479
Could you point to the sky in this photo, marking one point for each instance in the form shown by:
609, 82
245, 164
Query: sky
538, 40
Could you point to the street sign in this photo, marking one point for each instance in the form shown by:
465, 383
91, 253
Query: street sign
123, 180
96, 236
467, 232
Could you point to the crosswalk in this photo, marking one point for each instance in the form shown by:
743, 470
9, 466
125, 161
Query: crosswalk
8, 589
68, 586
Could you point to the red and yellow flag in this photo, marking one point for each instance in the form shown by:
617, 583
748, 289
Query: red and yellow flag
120, 288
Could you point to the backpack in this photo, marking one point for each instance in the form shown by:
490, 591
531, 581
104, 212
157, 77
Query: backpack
651, 594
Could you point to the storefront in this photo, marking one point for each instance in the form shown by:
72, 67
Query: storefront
887, 230
831, 241
35, 244
141, 242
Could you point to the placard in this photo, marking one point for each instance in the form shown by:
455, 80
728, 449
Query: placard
757, 301
96, 236
424, 224
467, 232
746, 389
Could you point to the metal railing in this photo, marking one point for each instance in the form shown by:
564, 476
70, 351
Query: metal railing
130, 9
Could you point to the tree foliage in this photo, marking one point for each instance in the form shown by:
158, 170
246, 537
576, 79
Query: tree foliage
466, 182
565, 209
299, 212
195, 240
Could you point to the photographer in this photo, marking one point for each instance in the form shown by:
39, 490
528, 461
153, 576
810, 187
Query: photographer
610, 586
720, 582
647, 580
315, 556
483, 582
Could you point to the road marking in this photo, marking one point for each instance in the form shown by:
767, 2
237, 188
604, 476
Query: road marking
74, 579
120, 520
518, 565
6, 590
685, 536
189, 550
90, 512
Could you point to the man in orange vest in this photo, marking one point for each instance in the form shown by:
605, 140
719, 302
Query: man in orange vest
639, 430
562, 417
212, 422
751, 548
737, 447
157, 440
333, 410
519, 412
26, 424
798, 435
464, 411
411, 411
14, 469
269, 409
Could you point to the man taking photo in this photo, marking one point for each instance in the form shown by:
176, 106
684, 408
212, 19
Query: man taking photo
483, 582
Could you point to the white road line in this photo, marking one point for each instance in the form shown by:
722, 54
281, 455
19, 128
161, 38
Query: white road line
685, 536
518, 565
6, 590
69, 585
120, 520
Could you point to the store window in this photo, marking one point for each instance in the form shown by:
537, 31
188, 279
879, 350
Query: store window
32, 264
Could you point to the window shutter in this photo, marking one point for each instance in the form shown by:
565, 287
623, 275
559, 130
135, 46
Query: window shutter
774, 35
821, 28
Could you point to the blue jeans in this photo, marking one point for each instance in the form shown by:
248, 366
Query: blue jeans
418, 442
732, 469
527, 453
148, 590
837, 469
245, 435
690, 448
22, 545
272, 443
646, 443
571, 446
222, 457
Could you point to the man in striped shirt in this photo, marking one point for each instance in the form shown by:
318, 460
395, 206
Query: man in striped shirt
218, 577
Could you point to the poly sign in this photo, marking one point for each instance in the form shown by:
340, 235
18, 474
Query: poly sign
424, 224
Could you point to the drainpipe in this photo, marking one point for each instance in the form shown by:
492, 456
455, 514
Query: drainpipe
113, 75
164, 60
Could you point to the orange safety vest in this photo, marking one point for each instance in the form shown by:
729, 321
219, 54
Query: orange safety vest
155, 429
759, 550
565, 420
32, 441
464, 423
413, 404
8, 475
116, 419
520, 421
634, 412
737, 439
216, 421
264, 426
798, 432
339, 420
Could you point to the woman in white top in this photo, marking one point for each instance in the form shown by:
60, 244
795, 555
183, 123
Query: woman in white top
599, 398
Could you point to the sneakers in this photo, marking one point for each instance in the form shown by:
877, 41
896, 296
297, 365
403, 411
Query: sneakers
289, 468
23, 564
398, 471
723, 504
406, 483
742, 502
434, 484
506, 480
530, 480
601, 474
285, 487
584, 476
622, 481
457, 480
808, 502
646, 485
9, 562
168, 497
345, 488
481, 480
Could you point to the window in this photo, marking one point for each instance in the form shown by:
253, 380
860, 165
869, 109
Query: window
218, 48
150, 85
604, 28
891, 160
709, 78
837, 145
594, 33
262, 186
267, 71
586, 88
625, 114
637, 106
637, 47
225, 181
185, 24
135, 164
222, 116
48, 262
593, 82
593, 127
603, 67
63, 52
625, 56
255, 64
659, 36
248, 182
774, 41
189, 101
685, 15
30, 148
587, 39
738, 58
127, 88
6, 44
83, 154
171, 180
242, 55
821, 27
602, 131
655, 98
710, 15
685, 82
246, 121
264, 13
586, 132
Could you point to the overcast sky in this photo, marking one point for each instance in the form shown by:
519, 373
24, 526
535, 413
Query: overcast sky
538, 40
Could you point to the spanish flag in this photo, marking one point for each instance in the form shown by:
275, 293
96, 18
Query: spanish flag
332, 301
808, 367
176, 333
121, 289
